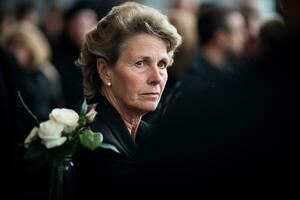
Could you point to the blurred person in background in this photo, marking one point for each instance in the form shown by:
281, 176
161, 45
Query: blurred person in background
32, 51
271, 38
79, 19
27, 11
7, 20
53, 24
221, 39
253, 22
191, 6
186, 25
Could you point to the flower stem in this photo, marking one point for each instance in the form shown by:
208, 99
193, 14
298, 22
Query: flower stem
27, 109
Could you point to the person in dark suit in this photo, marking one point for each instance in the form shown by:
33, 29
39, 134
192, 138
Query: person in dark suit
221, 36
124, 63
237, 137
79, 18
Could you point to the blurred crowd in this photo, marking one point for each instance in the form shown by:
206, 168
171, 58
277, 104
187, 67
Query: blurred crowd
219, 41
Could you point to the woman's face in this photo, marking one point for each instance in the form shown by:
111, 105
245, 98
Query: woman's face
21, 53
139, 76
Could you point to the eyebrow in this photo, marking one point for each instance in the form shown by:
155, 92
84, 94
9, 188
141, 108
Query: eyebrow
165, 58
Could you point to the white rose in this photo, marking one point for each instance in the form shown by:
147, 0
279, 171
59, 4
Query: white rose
54, 143
65, 116
31, 137
50, 130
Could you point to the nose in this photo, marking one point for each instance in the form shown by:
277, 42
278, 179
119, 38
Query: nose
155, 76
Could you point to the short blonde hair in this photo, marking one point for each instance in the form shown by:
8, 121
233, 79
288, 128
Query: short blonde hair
105, 40
34, 40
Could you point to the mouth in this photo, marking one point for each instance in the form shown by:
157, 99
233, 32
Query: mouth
151, 94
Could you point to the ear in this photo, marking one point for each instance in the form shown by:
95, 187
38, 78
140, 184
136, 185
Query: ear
103, 70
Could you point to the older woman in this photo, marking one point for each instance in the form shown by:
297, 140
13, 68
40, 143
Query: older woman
124, 62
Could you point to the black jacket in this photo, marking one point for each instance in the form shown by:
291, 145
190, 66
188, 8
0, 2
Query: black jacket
104, 172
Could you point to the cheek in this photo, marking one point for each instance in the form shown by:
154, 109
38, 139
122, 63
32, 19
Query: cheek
23, 56
238, 42
164, 79
129, 86
231, 43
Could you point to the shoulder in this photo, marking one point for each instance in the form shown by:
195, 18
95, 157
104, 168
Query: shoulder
144, 132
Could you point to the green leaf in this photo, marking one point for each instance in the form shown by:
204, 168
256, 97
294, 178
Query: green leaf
68, 130
90, 139
82, 121
84, 107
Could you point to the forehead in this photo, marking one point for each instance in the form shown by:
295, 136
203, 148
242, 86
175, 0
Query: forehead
143, 44
235, 19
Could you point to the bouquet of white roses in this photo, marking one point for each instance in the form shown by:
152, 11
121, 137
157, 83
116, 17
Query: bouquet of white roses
63, 134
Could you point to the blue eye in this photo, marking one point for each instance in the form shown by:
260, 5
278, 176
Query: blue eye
162, 65
140, 63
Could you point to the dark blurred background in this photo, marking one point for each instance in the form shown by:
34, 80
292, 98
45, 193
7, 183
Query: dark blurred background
40, 40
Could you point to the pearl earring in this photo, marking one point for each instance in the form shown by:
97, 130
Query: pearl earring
108, 84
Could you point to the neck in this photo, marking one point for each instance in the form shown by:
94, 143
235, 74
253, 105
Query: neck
131, 119
132, 125
214, 55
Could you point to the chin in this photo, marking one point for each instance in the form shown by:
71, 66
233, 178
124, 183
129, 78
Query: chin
149, 107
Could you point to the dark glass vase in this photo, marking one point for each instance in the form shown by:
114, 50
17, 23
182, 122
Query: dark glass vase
62, 179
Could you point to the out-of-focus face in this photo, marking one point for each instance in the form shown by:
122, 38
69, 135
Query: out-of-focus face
139, 76
21, 53
80, 24
237, 34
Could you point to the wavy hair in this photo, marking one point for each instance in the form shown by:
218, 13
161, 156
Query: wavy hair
106, 39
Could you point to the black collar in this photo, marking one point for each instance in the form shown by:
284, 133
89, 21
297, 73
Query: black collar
118, 134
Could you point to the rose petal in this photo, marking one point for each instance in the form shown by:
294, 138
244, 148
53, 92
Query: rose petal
50, 130
32, 135
54, 143
65, 116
